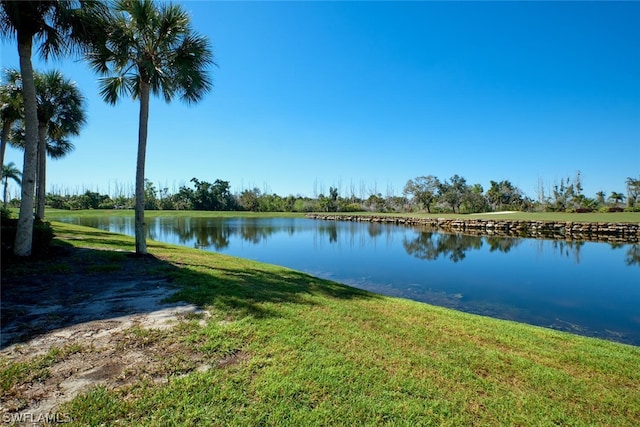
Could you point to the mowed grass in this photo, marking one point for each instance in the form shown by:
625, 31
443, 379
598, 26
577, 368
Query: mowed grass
613, 217
285, 348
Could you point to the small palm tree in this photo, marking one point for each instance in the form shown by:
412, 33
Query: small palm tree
10, 171
150, 48
10, 106
617, 197
61, 113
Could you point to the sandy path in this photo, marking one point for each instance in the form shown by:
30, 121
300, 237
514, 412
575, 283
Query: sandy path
96, 324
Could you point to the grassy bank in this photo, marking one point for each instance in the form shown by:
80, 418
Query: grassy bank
285, 348
55, 214
618, 217
633, 217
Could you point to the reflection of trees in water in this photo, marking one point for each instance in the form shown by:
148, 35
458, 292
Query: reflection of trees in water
374, 229
218, 234
633, 255
502, 244
568, 248
204, 234
253, 234
431, 245
331, 230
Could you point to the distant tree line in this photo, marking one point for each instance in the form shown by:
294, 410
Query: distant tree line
420, 194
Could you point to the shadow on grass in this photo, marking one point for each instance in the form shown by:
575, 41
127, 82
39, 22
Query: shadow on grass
73, 286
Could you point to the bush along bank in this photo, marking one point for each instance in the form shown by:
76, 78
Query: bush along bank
590, 231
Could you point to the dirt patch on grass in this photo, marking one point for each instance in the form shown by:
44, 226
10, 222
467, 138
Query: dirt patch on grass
73, 329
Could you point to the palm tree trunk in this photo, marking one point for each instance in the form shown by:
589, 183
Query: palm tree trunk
6, 128
140, 226
41, 175
6, 185
24, 232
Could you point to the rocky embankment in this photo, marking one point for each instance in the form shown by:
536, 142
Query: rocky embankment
592, 231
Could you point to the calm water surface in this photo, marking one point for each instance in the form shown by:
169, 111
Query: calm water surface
586, 288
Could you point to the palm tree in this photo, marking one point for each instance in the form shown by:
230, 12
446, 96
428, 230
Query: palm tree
61, 113
150, 48
617, 197
55, 25
10, 171
10, 106
633, 191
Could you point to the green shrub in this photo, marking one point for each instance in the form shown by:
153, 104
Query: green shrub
5, 214
42, 236
632, 209
352, 207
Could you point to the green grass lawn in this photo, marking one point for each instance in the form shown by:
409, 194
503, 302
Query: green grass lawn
286, 348
633, 217
54, 214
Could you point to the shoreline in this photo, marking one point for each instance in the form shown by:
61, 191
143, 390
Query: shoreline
614, 232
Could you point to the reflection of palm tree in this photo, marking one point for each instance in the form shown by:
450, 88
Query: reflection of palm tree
10, 171
151, 48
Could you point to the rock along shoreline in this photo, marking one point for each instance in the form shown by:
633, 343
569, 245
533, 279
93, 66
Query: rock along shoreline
614, 232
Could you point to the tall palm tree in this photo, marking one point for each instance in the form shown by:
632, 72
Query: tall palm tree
150, 48
10, 106
10, 171
54, 25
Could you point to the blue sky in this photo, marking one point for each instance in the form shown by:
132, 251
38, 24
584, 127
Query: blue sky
366, 95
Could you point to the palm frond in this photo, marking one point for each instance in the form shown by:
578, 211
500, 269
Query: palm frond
153, 43
112, 88
10, 171
52, 42
59, 148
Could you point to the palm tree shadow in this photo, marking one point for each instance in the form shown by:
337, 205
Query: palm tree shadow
74, 286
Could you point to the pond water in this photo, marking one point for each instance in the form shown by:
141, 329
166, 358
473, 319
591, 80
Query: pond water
586, 288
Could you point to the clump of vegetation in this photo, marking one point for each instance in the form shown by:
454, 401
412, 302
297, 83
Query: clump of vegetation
42, 235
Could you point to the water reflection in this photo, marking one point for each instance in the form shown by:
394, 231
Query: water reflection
430, 245
632, 255
587, 288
